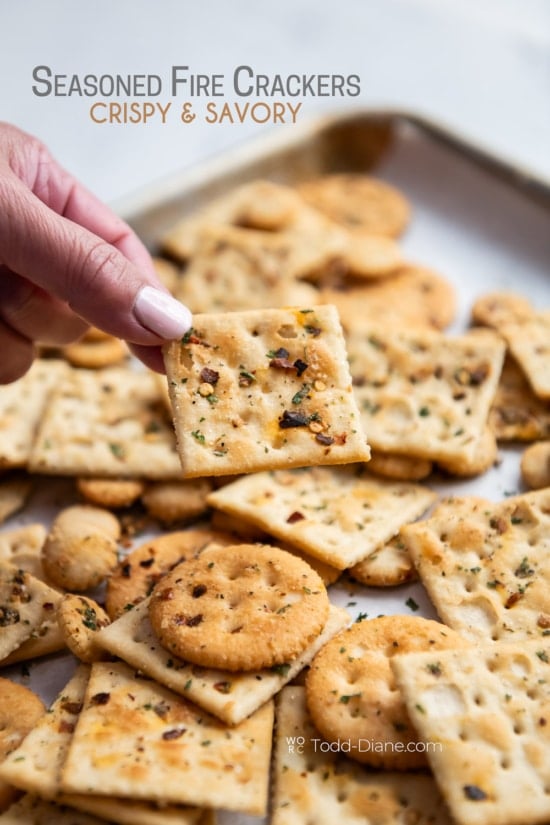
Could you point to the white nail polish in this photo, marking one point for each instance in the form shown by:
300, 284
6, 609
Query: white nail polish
161, 313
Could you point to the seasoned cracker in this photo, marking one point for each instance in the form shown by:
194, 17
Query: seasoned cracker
244, 607
229, 696
486, 566
110, 492
20, 710
400, 467
96, 350
484, 712
516, 412
388, 566
535, 465
138, 572
414, 296
79, 619
14, 492
423, 394
476, 461
529, 342
106, 423
338, 515
362, 204
329, 575
37, 764
22, 547
137, 739
81, 547
314, 784
235, 269
259, 205
22, 405
261, 390
172, 501
25, 602
351, 693
495, 308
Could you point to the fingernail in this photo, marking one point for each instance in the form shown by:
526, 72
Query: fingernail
161, 313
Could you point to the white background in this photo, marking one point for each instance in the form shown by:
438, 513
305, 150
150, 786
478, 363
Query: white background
483, 66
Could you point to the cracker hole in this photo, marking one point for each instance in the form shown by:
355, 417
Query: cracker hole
518, 729
478, 699
463, 736
342, 796
287, 331
505, 763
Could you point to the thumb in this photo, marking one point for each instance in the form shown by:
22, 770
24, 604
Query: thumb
93, 277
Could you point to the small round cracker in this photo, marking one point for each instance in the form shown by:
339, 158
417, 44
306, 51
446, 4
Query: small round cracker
388, 566
138, 572
79, 619
110, 492
95, 352
359, 202
535, 465
20, 710
171, 501
81, 547
351, 691
400, 467
244, 607
497, 308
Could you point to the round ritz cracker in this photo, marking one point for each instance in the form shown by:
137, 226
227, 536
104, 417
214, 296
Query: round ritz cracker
244, 607
351, 691
20, 710
138, 572
360, 203
79, 619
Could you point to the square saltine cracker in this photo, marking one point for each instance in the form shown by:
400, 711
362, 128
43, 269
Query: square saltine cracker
263, 389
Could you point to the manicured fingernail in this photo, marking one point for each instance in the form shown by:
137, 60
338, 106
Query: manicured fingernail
161, 313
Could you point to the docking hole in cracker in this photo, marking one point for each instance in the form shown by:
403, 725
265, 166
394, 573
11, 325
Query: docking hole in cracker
243, 607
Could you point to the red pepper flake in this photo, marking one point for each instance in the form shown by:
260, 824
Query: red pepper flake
315, 331
126, 570
48, 605
175, 733
166, 595
66, 727
147, 562
100, 698
301, 367
188, 621
198, 591
340, 439
209, 376
512, 600
293, 419
327, 440
223, 687
72, 707
294, 517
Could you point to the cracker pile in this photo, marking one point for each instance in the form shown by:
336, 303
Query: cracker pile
314, 394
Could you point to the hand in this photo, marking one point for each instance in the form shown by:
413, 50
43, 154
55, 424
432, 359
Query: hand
67, 261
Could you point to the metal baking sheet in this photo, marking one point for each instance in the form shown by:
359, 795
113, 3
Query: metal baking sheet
477, 220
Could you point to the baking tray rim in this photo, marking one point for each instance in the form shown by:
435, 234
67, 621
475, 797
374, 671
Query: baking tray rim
244, 154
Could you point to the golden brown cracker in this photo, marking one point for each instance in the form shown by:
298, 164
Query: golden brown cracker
173, 501
138, 572
535, 465
388, 566
79, 619
236, 608
20, 709
351, 691
110, 492
516, 413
